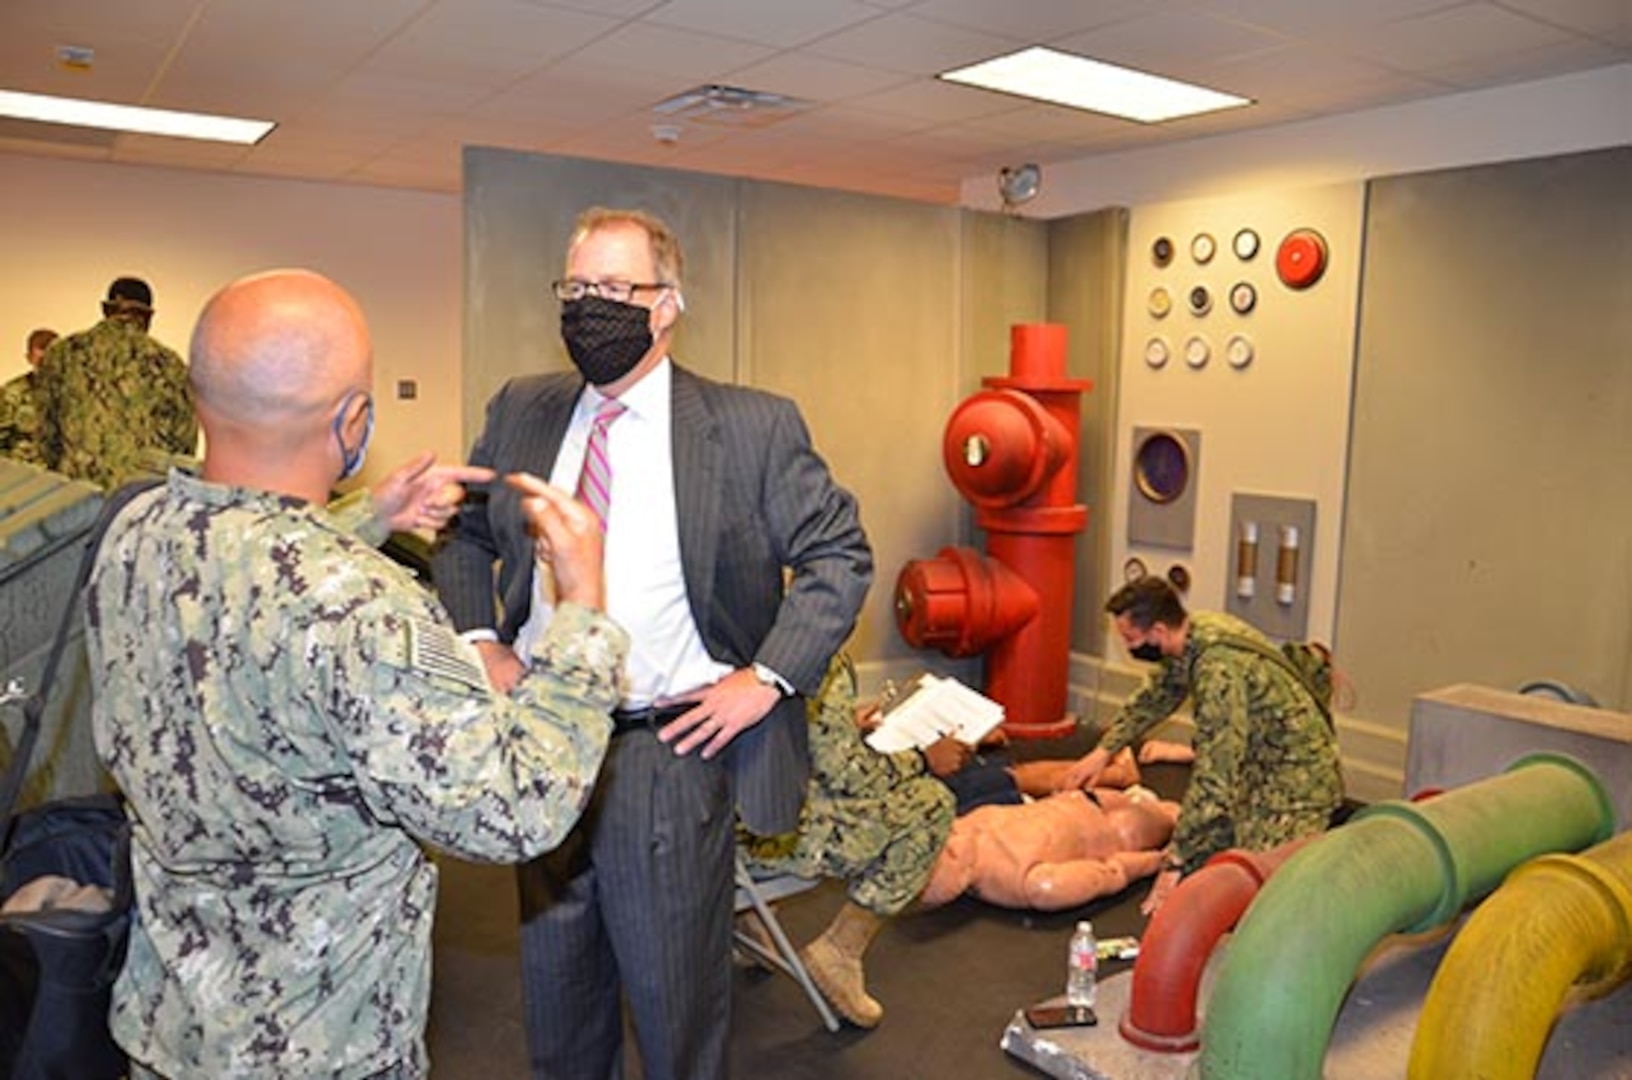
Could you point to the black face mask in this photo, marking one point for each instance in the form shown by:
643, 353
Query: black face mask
1148, 651
605, 339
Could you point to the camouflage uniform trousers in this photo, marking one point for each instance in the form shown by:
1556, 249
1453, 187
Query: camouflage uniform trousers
884, 846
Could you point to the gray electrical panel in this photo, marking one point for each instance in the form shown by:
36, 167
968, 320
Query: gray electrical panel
1271, 552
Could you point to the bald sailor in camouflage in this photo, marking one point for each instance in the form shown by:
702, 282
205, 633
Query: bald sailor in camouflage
290, 714
1266, 768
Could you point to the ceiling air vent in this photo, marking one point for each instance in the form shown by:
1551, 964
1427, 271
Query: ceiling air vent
729, 105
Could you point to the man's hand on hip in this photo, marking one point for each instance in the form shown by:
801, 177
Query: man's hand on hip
721, 712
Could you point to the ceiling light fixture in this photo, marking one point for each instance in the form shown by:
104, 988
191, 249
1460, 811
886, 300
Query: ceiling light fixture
80, 112
1081, 83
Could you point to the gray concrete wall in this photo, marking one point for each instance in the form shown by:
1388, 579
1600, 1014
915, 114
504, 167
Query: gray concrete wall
1486, 535
1461, 734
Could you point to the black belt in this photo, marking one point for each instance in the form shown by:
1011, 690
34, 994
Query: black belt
648, 716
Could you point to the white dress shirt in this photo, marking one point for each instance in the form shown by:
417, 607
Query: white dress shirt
645, 585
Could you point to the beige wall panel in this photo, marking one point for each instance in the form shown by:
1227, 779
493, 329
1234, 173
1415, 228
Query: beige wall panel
1085, 268
847, 304
519, 213
1278, 426
73, 227
1488, 528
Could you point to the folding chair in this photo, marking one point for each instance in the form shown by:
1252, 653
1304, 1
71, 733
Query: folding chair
758, 894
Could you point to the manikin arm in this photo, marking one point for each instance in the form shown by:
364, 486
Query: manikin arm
1057, 886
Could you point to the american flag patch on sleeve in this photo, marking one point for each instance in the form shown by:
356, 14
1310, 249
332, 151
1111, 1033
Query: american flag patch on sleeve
439, 652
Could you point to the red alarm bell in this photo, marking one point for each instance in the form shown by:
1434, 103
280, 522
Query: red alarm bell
1301, 258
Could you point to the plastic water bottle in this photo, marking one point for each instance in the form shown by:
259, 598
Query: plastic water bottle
1082, 970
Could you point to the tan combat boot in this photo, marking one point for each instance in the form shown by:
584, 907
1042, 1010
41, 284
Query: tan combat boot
834, 962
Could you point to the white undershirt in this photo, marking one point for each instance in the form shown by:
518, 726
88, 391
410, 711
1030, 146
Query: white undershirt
645, 586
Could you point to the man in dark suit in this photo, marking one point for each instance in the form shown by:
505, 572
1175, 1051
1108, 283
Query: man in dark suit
738, 567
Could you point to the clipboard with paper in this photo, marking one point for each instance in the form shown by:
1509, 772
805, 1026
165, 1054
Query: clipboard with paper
935, 706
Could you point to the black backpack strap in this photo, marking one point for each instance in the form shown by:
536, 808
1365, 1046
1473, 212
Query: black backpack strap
1241, 641
34, 707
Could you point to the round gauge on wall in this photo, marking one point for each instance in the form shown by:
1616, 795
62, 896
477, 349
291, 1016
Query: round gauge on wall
1243, 297
1134, 569
1161, 251
1159, 303
1200, 300
1203, 247
1245, 244
1156, 352
1197, 352
1239, 351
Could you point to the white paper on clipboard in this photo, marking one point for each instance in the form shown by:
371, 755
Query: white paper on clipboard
936, 706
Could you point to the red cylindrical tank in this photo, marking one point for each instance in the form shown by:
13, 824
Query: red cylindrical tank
1011, 450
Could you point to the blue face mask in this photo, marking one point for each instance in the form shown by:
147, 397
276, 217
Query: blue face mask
352, 458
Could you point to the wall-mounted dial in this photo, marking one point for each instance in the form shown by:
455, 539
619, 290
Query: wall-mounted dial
1197, 352
1203, 247
1159, 302
1243, 297
1245, 244
1239, 351
1156, 352
1201, 301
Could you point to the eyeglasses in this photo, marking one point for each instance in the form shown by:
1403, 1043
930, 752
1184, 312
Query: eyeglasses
620, 291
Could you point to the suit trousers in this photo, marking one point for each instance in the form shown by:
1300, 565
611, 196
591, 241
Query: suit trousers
638, 899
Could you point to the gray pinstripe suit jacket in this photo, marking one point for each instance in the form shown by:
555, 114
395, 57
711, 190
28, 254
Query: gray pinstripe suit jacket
752, 497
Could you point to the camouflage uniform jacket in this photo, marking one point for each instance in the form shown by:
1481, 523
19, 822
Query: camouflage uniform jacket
288, 712
20, 420
113, 404
878, 820
1266, 768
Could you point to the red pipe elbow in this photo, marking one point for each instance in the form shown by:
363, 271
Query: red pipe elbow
1161, 1013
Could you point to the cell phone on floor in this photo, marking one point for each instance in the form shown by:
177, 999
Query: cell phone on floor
1043, 1017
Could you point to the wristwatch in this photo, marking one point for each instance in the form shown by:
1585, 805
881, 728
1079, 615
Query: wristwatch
771, 679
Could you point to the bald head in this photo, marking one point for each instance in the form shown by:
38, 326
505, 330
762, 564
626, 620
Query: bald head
276, 349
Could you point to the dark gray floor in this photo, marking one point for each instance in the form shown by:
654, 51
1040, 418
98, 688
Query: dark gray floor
950, 981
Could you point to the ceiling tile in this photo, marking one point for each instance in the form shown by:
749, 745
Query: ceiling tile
913, 45
1170, 43
684, 55
96, 22
940, 102
779, 25
1455, 35
1300, 74
311, 36
1034, 21
1610, 20
1579, 54
489, 42
1319, 21
815, 78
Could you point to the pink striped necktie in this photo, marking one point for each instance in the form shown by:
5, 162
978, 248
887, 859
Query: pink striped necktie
595, 481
